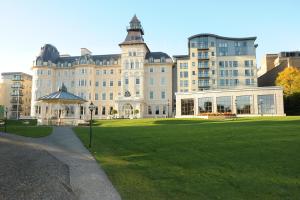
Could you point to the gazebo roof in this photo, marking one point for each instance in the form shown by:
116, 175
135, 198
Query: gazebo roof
62, 96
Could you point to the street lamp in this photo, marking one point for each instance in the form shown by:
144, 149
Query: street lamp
236, 108
168, 107
6, 110
261, 102
91, 107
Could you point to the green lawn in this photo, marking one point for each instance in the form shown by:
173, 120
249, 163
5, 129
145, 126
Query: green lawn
27, 128
253, 158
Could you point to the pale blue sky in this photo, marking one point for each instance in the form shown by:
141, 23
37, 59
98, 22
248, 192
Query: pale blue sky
101, 25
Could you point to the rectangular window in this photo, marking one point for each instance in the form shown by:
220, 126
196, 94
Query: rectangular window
111, 96
103, 110
235, 73
104, 83
243, 104
163, 81
137, 81
247, 82
157, 110
103, 96
224, 104
163, 95
205, 104
235, 63
187, 106
151, 95
151, 69
119, 83
96, 96
111, 83
96, 110
96, 83
126, 81
163, 69
111, 71
266, 104
149, 110
151, 81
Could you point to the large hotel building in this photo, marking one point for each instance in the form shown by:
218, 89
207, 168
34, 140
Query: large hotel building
219, 74
136, 82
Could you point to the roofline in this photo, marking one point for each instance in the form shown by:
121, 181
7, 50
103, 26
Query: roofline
180, 56
221, 37
11, 73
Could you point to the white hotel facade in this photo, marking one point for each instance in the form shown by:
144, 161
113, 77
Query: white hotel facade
140, 83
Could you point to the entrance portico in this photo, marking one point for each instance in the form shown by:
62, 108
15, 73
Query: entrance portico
130, 108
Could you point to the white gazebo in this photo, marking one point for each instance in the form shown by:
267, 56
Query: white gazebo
60, 108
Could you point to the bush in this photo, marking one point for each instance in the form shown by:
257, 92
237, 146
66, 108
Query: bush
292, 104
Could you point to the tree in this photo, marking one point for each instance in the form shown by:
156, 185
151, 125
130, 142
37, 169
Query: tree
136, 111
289, 79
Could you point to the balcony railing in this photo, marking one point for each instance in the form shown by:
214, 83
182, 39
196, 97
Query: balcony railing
17, 79
203, 57
17, 86
203, 47
203, 66
14, 101
15, 109
203, 75
16, 94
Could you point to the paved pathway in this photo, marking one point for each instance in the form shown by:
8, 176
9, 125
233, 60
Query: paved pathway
87, 179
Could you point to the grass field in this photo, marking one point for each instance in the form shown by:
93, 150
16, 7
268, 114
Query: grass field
186, 159
26, 128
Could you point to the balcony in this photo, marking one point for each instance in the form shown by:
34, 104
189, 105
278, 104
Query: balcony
16, 109
203, 75
203, 58
15, 101
21, 86
203, 86
203, 66
17, 79
17, 94
203, 47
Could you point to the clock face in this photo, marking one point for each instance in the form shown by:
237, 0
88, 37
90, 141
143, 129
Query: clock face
127, 94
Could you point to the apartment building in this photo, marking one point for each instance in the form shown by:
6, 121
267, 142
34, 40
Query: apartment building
15, 92
216, 62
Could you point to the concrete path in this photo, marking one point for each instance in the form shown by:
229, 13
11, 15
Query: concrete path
87, 179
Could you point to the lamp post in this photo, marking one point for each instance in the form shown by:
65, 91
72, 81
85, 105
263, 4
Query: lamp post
6, 110
261, 102
91, 107
168, 107
236, 109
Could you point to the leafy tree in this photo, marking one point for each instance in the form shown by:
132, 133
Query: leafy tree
289, 79
136, 111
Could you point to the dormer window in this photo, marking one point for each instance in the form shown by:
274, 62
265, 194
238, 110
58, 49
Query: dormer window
163, 59
151, 60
